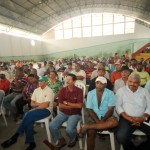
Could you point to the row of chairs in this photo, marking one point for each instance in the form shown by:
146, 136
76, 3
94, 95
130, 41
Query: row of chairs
47, 119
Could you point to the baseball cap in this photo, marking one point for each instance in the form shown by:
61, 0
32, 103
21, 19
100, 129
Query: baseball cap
101, 79
43, 78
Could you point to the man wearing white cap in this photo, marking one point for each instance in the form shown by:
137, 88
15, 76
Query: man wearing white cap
100, 107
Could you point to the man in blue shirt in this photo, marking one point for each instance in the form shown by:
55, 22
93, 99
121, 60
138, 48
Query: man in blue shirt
100, 106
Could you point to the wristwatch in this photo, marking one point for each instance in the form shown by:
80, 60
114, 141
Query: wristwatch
66, 103
146, 118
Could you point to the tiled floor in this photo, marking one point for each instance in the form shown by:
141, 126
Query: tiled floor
6, 132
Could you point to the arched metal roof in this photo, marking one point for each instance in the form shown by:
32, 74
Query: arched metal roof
38, 16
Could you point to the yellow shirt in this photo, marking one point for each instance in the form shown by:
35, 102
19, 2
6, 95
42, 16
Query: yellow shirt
144, 77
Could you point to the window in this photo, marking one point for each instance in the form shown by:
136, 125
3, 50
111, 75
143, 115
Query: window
95, 24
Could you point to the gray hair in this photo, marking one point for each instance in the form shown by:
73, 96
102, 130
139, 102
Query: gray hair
135, 76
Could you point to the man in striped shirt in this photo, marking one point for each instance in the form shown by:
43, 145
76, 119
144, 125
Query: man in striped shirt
16, 87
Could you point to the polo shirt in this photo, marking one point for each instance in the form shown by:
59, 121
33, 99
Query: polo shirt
74, 96
108, 100
43, 95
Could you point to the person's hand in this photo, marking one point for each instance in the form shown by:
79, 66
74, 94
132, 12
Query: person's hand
140, 119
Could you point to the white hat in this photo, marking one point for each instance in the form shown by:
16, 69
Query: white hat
101, 79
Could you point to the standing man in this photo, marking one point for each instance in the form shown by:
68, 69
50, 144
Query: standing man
100, 107
133, 106
70, 105
42, 101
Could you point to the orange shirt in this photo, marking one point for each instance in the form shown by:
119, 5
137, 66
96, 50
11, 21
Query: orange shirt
114, 76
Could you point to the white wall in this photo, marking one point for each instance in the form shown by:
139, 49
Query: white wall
70, 44
17, 46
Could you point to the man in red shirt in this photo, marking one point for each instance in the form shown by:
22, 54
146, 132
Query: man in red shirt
88, 72
116, 74
4, 84
70, 105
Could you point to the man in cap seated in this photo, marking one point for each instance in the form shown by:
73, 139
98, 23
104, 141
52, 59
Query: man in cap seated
100, 107
42, 101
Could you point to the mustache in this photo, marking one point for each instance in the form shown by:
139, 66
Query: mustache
132, 86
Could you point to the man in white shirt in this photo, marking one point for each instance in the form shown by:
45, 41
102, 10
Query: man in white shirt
133, 106
40, 70
80, 74
42, 101
125, 72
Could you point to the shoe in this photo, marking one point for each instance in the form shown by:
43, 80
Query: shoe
9, 142
61, 143
19, 121
31, 146
73, 143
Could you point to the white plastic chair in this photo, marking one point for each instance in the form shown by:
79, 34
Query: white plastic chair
137, 132
111, 135
112, 139
46, 122
81, 86
2, 108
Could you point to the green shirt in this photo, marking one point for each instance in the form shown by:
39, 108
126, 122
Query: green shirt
55, 86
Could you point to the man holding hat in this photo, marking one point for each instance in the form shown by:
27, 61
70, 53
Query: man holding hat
100, 107
42, 101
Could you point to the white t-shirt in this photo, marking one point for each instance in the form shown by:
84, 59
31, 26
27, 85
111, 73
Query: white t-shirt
43, 95
80, 73
41, 71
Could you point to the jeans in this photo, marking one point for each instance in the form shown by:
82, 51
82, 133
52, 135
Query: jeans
28, 121
1, 96
124, 135
72, 121
10, 102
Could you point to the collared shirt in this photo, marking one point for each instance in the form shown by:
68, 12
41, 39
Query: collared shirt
144, 76
55, 86
108, 100
22, 80
75, 96
133, 103
118, 84
29, 88
43, 95
147, 86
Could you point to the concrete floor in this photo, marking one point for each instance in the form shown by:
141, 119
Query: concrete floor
7, 132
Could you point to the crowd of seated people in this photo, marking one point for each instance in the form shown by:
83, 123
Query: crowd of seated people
105, 77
